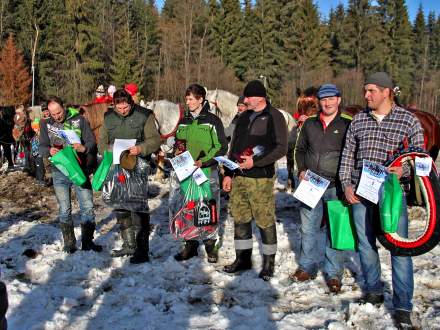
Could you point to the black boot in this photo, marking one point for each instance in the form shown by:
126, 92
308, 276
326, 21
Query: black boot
243, 248
269, 240
68, 237
268, 267
128, 235
242, 261
211, 250
188, 251
140, 254
87, 231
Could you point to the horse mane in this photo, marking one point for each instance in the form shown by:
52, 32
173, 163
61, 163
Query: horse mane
307, 103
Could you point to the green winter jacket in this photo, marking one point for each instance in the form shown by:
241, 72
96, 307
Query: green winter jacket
204, 136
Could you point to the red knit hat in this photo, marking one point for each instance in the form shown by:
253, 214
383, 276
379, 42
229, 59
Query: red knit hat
131, 88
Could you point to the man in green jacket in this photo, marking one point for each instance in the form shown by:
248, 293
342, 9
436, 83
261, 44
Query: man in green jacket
203, 135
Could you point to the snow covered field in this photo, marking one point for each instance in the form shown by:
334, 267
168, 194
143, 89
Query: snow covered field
88, 290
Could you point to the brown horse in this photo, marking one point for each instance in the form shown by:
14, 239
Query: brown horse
94, 113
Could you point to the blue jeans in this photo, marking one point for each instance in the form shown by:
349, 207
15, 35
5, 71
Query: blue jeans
315, 241
61, 185
402, 268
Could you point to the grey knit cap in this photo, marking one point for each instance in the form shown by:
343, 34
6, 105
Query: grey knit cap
381, 79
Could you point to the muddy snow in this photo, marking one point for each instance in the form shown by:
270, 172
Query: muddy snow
49, 289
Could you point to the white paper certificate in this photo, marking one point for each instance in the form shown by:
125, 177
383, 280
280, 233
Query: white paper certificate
183, 165
119, 146
227, 162
372, 177
199, 176
423, 166
311, 189
70, 136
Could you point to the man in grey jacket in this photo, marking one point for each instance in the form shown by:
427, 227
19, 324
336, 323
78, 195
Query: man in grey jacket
51, 142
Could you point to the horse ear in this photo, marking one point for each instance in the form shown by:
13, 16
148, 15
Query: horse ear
298, 92
310, 91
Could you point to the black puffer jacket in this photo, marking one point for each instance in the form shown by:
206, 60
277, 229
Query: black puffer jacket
319, 149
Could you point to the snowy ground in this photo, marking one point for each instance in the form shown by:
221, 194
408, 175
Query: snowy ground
87, 290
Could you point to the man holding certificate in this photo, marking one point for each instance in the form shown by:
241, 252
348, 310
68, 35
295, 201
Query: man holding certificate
375, 132
317, 154
258, 141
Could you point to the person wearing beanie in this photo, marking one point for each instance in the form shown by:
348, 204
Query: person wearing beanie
132, 89
258, 141
381, 128
100, 96
110, 91
318, 150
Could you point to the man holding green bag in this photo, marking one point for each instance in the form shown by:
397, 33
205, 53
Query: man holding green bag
318, 149
374, 133
52, 142
201, 133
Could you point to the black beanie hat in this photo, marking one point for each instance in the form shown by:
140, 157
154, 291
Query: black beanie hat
381, 79
254, 88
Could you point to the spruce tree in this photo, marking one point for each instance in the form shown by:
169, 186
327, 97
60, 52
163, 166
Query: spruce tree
362, 45
420, 55
335, 30
14, 75
398, 55
306, 42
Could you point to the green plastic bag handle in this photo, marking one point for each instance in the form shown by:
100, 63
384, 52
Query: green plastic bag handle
102, 170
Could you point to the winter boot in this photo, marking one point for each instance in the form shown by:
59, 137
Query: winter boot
128, 235
269, 240
140, 254
68, 237
211, 250
243, 248
188, 251
87, 244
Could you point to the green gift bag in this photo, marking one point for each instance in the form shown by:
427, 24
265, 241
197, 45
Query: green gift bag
66, 161
102, 170
193, 192
390, 204
342, 231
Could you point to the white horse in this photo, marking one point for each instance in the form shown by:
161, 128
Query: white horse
167, 116
226, 103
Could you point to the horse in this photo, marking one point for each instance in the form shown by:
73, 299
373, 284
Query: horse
224, 105
94, 113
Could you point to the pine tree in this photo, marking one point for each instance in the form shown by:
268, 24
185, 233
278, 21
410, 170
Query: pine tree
398, 56
434, 41
335, 29
14, 76
267, 50
362, 44
306, 42
420, 55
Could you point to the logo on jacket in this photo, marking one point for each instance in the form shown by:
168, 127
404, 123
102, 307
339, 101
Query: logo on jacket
75, 123
336, 131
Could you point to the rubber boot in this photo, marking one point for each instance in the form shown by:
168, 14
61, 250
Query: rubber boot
140, 254
189, 250
211, 250
269, 240
243, 248
87, 231
68, 237
128, 235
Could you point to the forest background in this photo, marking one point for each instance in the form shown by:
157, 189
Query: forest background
220, 44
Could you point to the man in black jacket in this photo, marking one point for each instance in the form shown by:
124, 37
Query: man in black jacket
51, 142
258, 141
318, 149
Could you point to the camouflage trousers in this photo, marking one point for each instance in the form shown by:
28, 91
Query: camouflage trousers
253, 198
